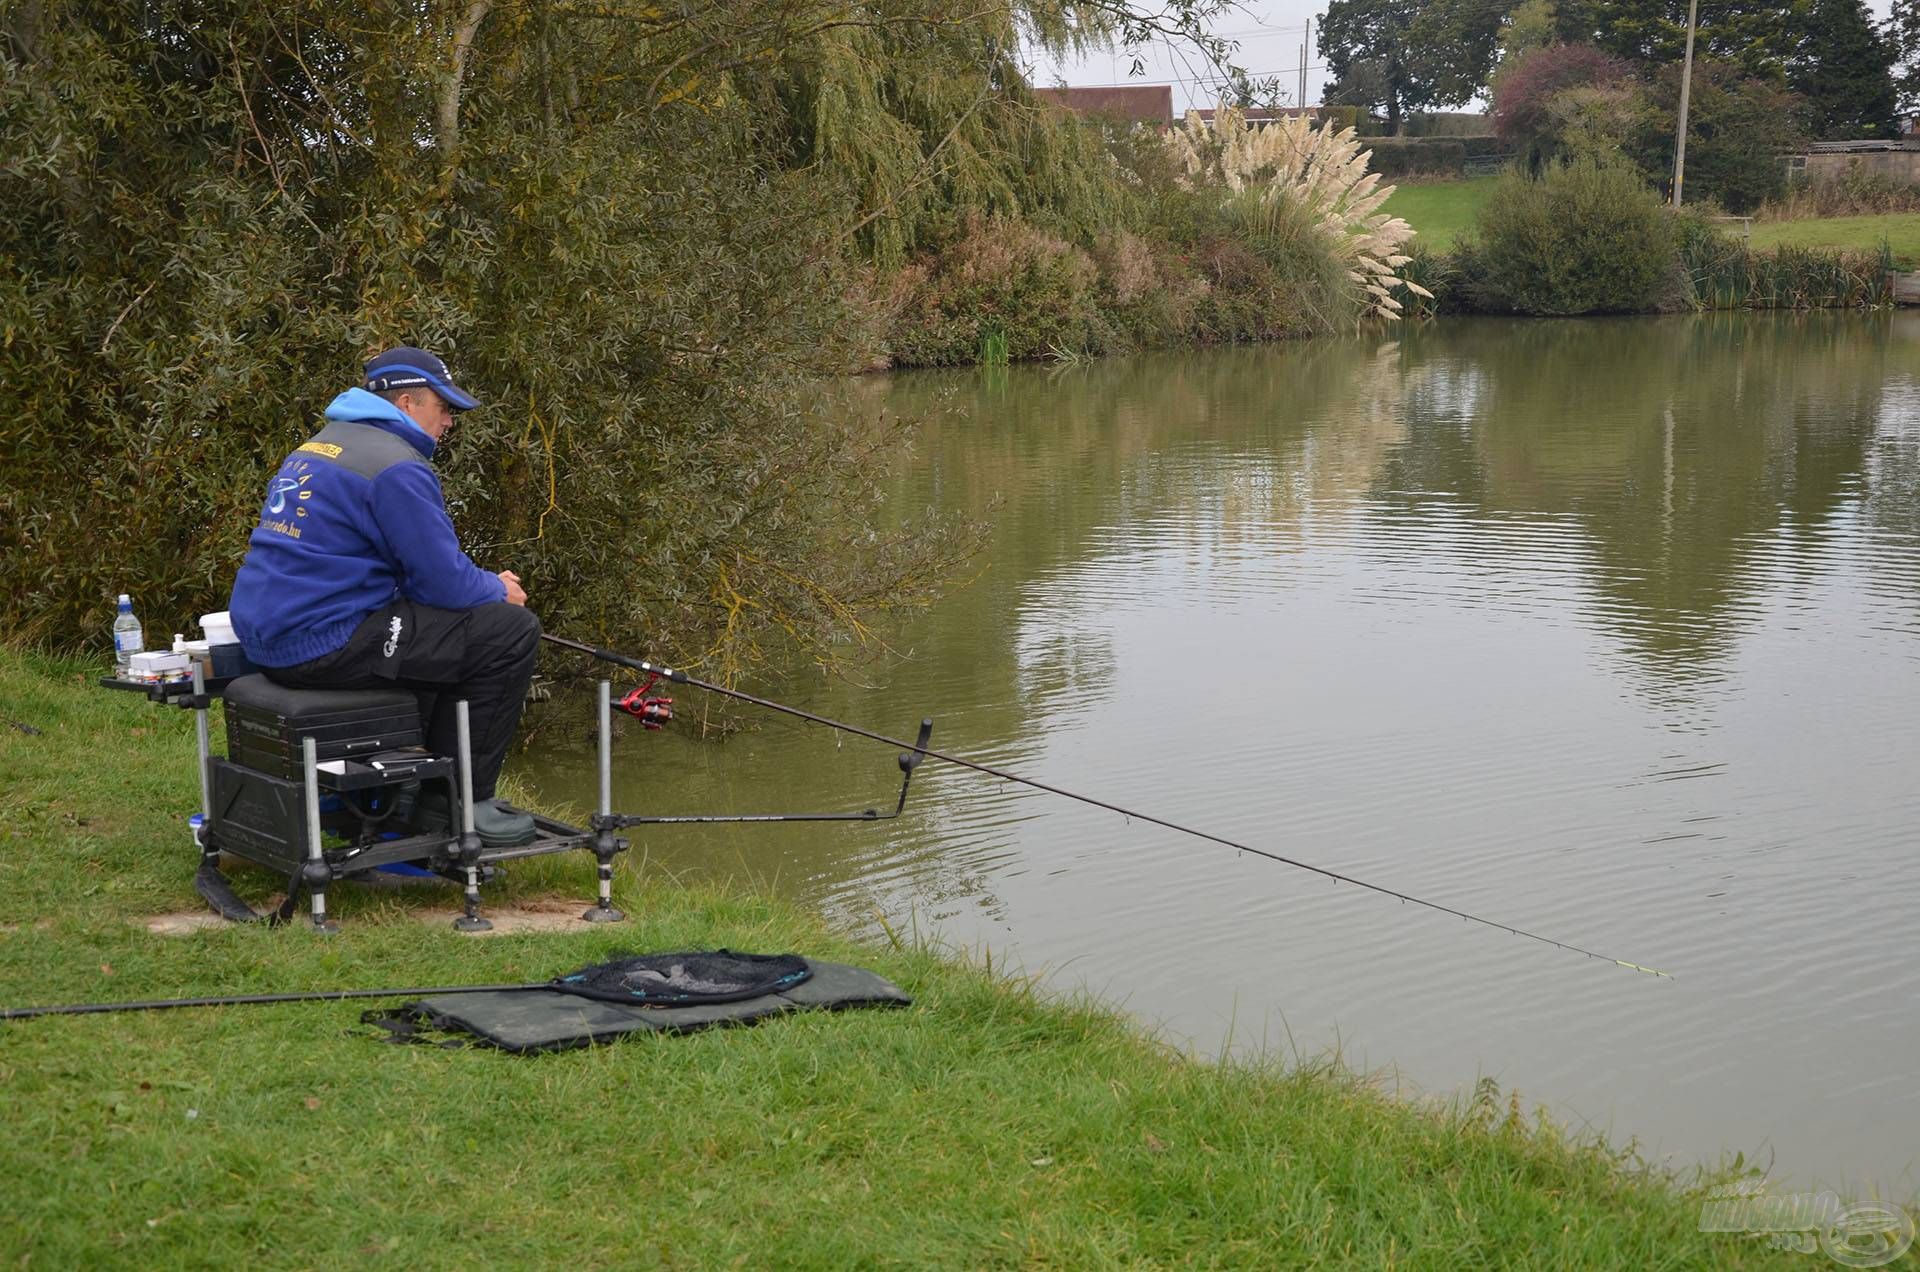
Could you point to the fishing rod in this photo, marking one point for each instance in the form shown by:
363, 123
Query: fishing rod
238, 1000
682, 678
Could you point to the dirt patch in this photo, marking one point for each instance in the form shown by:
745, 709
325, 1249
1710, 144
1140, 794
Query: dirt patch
550, 914
182, 922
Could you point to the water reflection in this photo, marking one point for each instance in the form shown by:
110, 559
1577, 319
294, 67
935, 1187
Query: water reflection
1608, 629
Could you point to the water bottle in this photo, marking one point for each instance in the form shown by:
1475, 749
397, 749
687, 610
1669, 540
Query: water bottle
128, 639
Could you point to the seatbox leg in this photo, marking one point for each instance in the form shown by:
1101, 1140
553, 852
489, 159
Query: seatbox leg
469, 837
316, 874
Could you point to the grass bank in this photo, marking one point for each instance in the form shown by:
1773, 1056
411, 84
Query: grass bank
1440, 211
1900, 231
987, 1125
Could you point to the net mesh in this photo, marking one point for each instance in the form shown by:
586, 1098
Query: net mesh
679, 980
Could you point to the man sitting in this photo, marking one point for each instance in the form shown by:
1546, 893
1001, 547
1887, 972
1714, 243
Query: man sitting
354, 578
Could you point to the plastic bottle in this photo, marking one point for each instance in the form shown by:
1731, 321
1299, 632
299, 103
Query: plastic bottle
128, 639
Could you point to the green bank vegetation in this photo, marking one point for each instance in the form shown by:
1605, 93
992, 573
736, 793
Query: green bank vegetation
1589, 236
988, 1125
643, 233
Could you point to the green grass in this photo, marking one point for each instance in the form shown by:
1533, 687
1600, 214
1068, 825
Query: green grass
1439, 210
987, 1125
1899, 230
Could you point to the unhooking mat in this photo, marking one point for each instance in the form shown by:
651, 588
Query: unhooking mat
533, 1021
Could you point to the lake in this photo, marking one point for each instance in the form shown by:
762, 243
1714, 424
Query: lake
1604, 629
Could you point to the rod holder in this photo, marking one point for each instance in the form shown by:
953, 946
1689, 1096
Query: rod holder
317, 873
470, 921
605, 845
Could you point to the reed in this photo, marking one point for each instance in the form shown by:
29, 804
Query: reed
1723, 273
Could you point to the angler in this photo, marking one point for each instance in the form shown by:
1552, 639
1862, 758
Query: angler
354, 578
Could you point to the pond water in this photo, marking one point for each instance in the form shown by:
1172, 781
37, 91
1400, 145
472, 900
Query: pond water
1609, 630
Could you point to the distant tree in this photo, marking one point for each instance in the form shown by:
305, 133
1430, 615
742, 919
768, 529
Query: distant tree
1903, 32
1399, 56
1525, 89
1738, 127
1845, 71
1761, 36
1533, 24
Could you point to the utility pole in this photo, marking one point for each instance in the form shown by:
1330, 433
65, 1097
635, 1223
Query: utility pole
1686, 84
1301, 100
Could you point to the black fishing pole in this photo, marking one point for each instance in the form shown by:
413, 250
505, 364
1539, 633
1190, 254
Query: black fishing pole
239, 1000
682, 678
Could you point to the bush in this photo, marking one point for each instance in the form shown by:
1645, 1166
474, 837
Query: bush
1738, 127
1857, 191
1724, 273
1406, 156
1583, 238
1006, 286
1524, 90
208, 228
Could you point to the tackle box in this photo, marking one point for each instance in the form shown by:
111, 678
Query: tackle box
265, 723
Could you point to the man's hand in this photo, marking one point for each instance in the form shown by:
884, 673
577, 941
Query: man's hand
516, 595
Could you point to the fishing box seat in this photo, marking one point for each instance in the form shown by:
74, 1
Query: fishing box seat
266, 722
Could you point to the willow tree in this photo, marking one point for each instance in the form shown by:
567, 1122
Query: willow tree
628, 223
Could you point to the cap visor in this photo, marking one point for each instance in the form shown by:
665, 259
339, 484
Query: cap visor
456, 399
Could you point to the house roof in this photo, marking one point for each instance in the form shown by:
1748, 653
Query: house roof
1139, 103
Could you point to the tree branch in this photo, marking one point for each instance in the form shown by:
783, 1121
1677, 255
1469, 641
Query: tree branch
449, 105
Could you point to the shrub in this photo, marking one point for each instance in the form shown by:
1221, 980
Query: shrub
1523, 91
1856, 191
1309, 196
1724, 273
1006, 286
1738, 127
1583, 238
1409, 156
216, 210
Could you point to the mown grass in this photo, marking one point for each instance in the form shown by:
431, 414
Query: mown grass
988, 1125
1440, 211
1899, 230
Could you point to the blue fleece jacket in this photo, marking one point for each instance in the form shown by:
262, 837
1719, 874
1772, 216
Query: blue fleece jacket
352, 519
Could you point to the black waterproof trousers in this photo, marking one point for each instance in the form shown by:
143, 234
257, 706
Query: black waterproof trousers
484, 655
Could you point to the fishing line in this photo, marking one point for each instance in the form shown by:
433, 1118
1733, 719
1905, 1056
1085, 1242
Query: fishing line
681, 677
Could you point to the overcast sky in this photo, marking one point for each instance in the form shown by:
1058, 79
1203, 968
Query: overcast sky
1269, 33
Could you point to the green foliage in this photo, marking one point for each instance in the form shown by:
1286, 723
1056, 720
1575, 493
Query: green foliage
1738, 127
1762, 37
1006, 289
1845, 71
1724, 273
1856, 191
1440, 274
1397, 56
1582, 238
1421, 156
217, 209
1903, 33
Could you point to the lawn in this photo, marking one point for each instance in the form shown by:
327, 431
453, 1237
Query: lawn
1439, 210
1899, 230
987, 1126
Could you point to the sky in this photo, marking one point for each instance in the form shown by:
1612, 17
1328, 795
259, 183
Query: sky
1269, 33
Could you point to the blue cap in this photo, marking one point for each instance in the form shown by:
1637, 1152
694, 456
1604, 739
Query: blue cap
408, 368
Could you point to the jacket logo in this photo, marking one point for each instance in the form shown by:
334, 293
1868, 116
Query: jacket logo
322, 448
393, 638
277, 494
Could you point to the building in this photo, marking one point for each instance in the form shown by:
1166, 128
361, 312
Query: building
1124, 103
1825, 160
